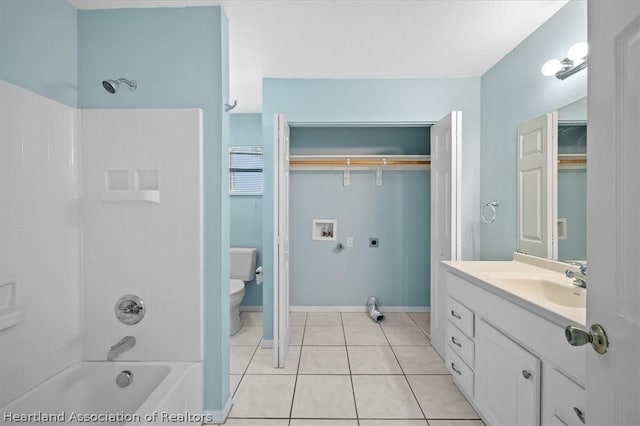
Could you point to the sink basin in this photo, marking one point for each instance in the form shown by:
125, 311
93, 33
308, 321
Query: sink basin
568, 296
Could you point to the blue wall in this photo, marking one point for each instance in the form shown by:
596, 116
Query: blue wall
39, 47
514, 91
360, 140
179, 57
359, 101
397, 272
572, 204
246, 210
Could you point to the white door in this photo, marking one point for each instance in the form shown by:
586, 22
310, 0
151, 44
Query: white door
281, 241
613, 203
537, 210
445, 215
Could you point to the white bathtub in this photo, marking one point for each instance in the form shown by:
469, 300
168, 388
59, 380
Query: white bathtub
86, 393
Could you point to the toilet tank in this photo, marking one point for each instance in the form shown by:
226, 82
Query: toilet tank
242, 263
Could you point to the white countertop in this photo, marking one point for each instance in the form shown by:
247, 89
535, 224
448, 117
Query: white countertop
515, 281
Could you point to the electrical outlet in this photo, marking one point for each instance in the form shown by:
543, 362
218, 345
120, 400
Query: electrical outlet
374, 242
349, 241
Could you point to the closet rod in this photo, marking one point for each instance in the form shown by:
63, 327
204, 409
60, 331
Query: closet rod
356, 162
572, 161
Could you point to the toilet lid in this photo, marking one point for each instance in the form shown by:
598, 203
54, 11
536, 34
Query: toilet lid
235, 286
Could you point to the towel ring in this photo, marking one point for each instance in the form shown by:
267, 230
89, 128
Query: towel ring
492, 206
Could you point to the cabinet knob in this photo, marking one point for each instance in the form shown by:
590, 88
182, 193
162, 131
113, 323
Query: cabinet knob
526, 374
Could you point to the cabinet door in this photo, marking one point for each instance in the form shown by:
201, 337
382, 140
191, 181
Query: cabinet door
507, 379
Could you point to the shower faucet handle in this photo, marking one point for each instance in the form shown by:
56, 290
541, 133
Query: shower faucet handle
130, 309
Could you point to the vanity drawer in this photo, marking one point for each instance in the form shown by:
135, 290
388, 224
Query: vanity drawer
567, 397
461, 344
461, 373
460, 316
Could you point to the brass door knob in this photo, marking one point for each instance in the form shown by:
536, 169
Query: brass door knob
596, 336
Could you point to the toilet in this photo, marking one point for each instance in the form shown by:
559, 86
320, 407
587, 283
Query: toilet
242, 268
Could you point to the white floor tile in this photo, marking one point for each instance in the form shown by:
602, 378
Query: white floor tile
297, 318
239, 357
398, 319
248, 335
252, 318
320, 335
412, 336
373, 360
324, 318
262, 362
420, 360
440, 398
319, 422
365, 335
263, 396
324, 390
385, 397
234, 381
257, 422
359, 319
295, 335
394, 423
324, 360
423, 320
324, 397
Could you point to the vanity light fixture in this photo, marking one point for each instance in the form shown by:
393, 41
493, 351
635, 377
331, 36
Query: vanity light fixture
575, 61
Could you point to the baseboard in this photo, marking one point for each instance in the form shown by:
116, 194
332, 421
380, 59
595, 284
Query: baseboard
267, 344
218, 416
251, 308
359, 308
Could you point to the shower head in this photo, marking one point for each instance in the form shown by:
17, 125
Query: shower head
111, 86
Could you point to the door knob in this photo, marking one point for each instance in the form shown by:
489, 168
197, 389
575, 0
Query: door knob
596, 336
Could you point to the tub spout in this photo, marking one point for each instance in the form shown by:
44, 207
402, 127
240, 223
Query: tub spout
124, 344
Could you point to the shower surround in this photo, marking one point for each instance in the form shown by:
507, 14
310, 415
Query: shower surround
71, 252
142, 221
39, 237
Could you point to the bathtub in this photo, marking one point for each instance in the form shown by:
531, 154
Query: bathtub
86, 393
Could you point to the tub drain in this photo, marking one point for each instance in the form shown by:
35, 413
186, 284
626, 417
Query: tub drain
124, 379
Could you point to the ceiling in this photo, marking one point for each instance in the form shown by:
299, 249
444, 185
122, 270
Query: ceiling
361, 38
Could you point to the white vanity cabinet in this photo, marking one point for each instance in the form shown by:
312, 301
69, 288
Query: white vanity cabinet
507, 379
459, 351
513, 365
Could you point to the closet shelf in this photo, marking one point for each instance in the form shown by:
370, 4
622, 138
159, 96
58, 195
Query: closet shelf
572, 161
359, 162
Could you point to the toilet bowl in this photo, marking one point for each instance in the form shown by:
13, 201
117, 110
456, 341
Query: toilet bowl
242, 269
236, 294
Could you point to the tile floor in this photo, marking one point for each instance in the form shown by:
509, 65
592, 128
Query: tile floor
343, 369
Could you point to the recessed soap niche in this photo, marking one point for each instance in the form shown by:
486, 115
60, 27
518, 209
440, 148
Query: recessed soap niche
129, 185
324, 229
10, 314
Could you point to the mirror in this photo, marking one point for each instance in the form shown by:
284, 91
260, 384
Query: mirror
552, 177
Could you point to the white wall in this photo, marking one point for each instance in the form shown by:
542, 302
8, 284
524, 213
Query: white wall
39, 237
149, 249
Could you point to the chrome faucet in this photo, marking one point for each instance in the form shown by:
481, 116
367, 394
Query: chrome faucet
580, 276
123, 344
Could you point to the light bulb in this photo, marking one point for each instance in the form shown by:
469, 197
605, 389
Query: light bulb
578, 51
551, 67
